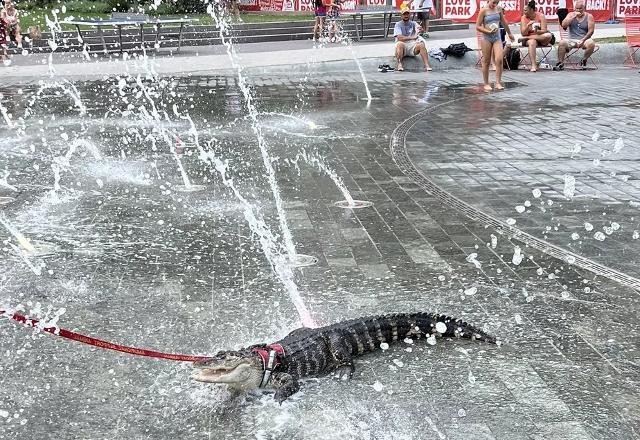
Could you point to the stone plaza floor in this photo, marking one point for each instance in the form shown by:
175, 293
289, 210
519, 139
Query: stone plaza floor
516, 211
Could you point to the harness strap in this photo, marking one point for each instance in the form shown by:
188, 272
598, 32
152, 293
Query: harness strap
271, 359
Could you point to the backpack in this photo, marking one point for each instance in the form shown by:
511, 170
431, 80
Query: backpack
455, 49
512, 60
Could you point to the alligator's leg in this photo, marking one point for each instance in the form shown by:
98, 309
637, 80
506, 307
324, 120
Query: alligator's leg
285, 385
344, 372
342, 359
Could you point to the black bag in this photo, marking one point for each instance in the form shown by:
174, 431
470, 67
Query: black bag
562, 14
455, 49
512, 59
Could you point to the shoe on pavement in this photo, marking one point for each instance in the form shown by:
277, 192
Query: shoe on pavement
558, 66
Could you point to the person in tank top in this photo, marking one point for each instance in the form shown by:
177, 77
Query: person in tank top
581, 26
533, 27
488, 24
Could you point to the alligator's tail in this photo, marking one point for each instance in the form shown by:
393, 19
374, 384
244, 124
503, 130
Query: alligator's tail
407, 325
454, 327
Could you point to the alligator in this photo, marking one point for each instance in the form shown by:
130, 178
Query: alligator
307, 352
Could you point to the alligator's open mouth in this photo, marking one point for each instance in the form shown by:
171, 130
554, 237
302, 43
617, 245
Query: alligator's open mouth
210, 374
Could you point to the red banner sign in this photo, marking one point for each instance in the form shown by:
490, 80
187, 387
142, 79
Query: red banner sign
464, 11
627, 8
467, 10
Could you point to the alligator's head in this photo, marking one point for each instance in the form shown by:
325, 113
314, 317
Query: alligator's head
238, 369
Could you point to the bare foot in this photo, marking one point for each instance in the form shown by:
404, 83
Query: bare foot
533, 69
428, 69
487, 88
499, 86
400, 67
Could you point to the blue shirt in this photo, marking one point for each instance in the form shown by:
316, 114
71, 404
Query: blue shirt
405, 29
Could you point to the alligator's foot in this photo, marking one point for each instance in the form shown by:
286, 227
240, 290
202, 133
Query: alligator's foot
344, 372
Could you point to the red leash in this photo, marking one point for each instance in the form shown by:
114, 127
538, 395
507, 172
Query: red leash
30, 322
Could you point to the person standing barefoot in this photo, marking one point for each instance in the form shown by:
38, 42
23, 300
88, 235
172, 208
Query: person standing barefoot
488, 24
321, 13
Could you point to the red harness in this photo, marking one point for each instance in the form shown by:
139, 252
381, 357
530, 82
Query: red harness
271, 357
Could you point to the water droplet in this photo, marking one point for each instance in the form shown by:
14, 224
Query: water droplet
471, 378
462, 413
588, 226
527, 203
635, 235
431, 340
384, 346
539, 271
569, 186
471, 290
377, 386
618, 145
511, 221
571, 259
599, 236
398, 362
517, 256
494, 241
596, 162
520, 209
615, 226
471, 258
577, 147
536, 193
441, 327
575, 236
441, 278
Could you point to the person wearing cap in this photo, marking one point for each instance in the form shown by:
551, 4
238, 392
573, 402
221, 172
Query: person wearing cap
406, 33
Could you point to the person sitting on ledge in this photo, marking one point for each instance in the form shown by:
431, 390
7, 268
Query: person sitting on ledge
581, 27
533, 27
406, 33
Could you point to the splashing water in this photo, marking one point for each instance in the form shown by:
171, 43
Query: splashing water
314, 160
364, 78
267, 240
517, 256
223, 31
569, 186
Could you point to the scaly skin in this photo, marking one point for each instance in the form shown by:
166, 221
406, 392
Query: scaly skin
330, 349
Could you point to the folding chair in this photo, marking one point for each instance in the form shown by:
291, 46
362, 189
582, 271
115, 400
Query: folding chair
572, 53
542, 55
479, 41
632, 31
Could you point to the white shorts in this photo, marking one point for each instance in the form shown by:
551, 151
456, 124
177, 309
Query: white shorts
409, 47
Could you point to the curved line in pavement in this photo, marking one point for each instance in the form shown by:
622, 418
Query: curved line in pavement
398, 149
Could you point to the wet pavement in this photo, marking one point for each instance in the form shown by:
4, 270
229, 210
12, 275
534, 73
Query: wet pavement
515, 211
